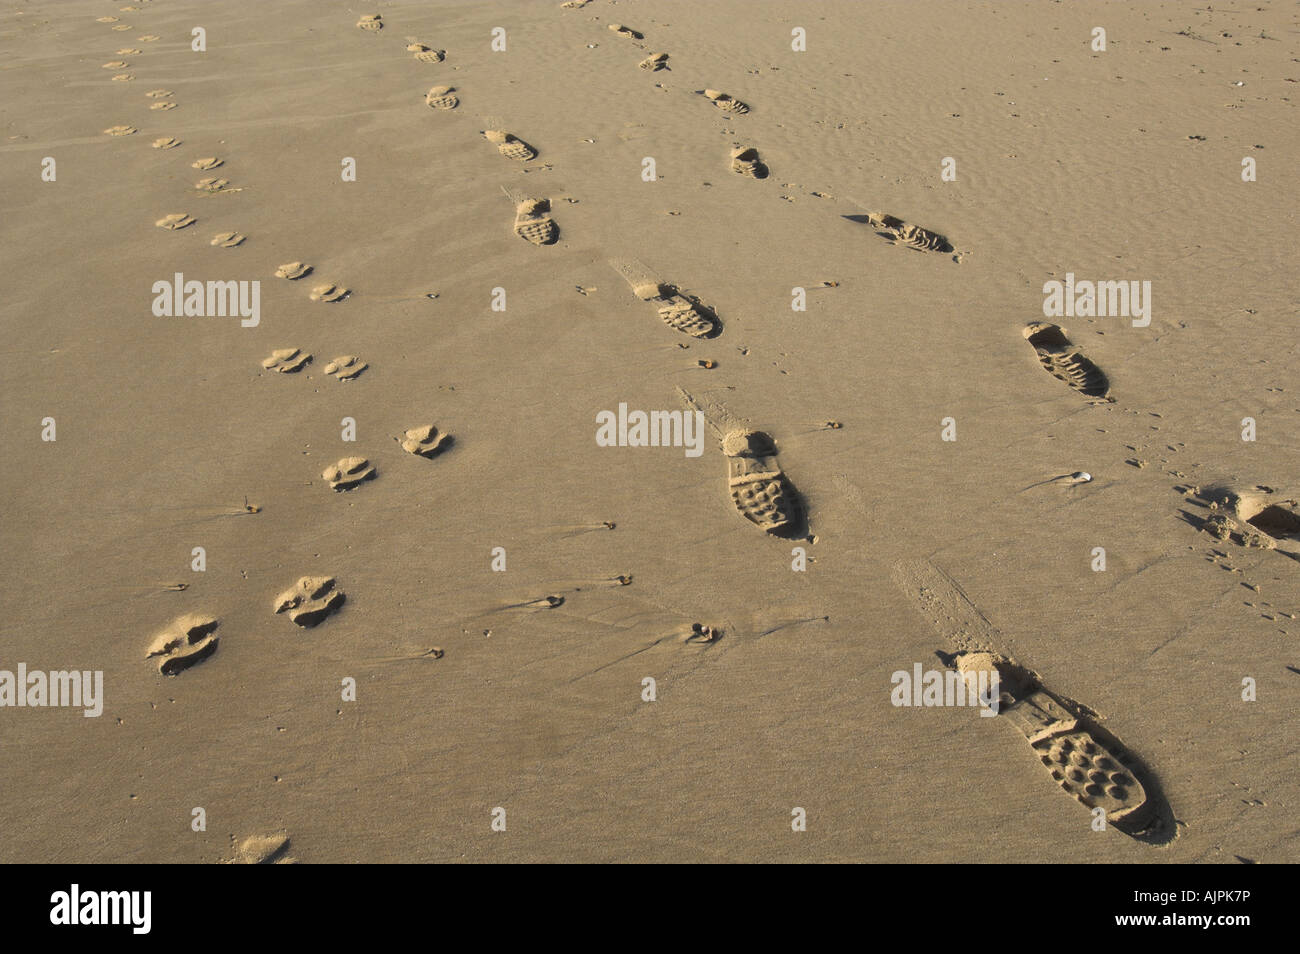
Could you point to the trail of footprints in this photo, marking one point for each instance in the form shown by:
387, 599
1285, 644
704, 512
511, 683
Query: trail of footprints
1087, 766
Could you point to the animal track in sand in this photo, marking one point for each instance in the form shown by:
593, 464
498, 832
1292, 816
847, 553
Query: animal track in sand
759, 489
510, 146
345, 368
293, 271
726, 102
187, 641
262, 850
372, 22
348, 473
442, 97
746, 162
227, 239
654, 62
1061, 360
329, 292
533, 222
680, 312
425, 441
211, 162
423, 53
898, 232
166, 142
177, 220
310, 600
287, 361
626, 32
120, 130
211, 184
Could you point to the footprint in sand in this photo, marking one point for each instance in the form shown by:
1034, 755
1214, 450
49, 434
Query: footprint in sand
746, 162
310, 600
227, 239
211, 184
262, 850
574, 4
147, 38
1086, 762
533, 222
345, 368
120, 27
680, 312
329, 292
510, 146
115, 65
442, 97
654, 62
187, 641
1255, 516
177, 220
166, 142
293, 271
159, 93
425, 441
898, 232
211, 162
425, 54
287, 361
162, 104
123, 77
129, 51
348, 473
759, 489
1062, 361
726, 102
371, 22
626, 32
120, 131
106, 19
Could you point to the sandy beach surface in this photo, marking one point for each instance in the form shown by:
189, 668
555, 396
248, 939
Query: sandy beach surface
470, 648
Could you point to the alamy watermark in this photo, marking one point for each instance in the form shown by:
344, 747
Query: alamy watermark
1085, 299
59, 688
195, 299
946, 687
651, 429
133, 908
